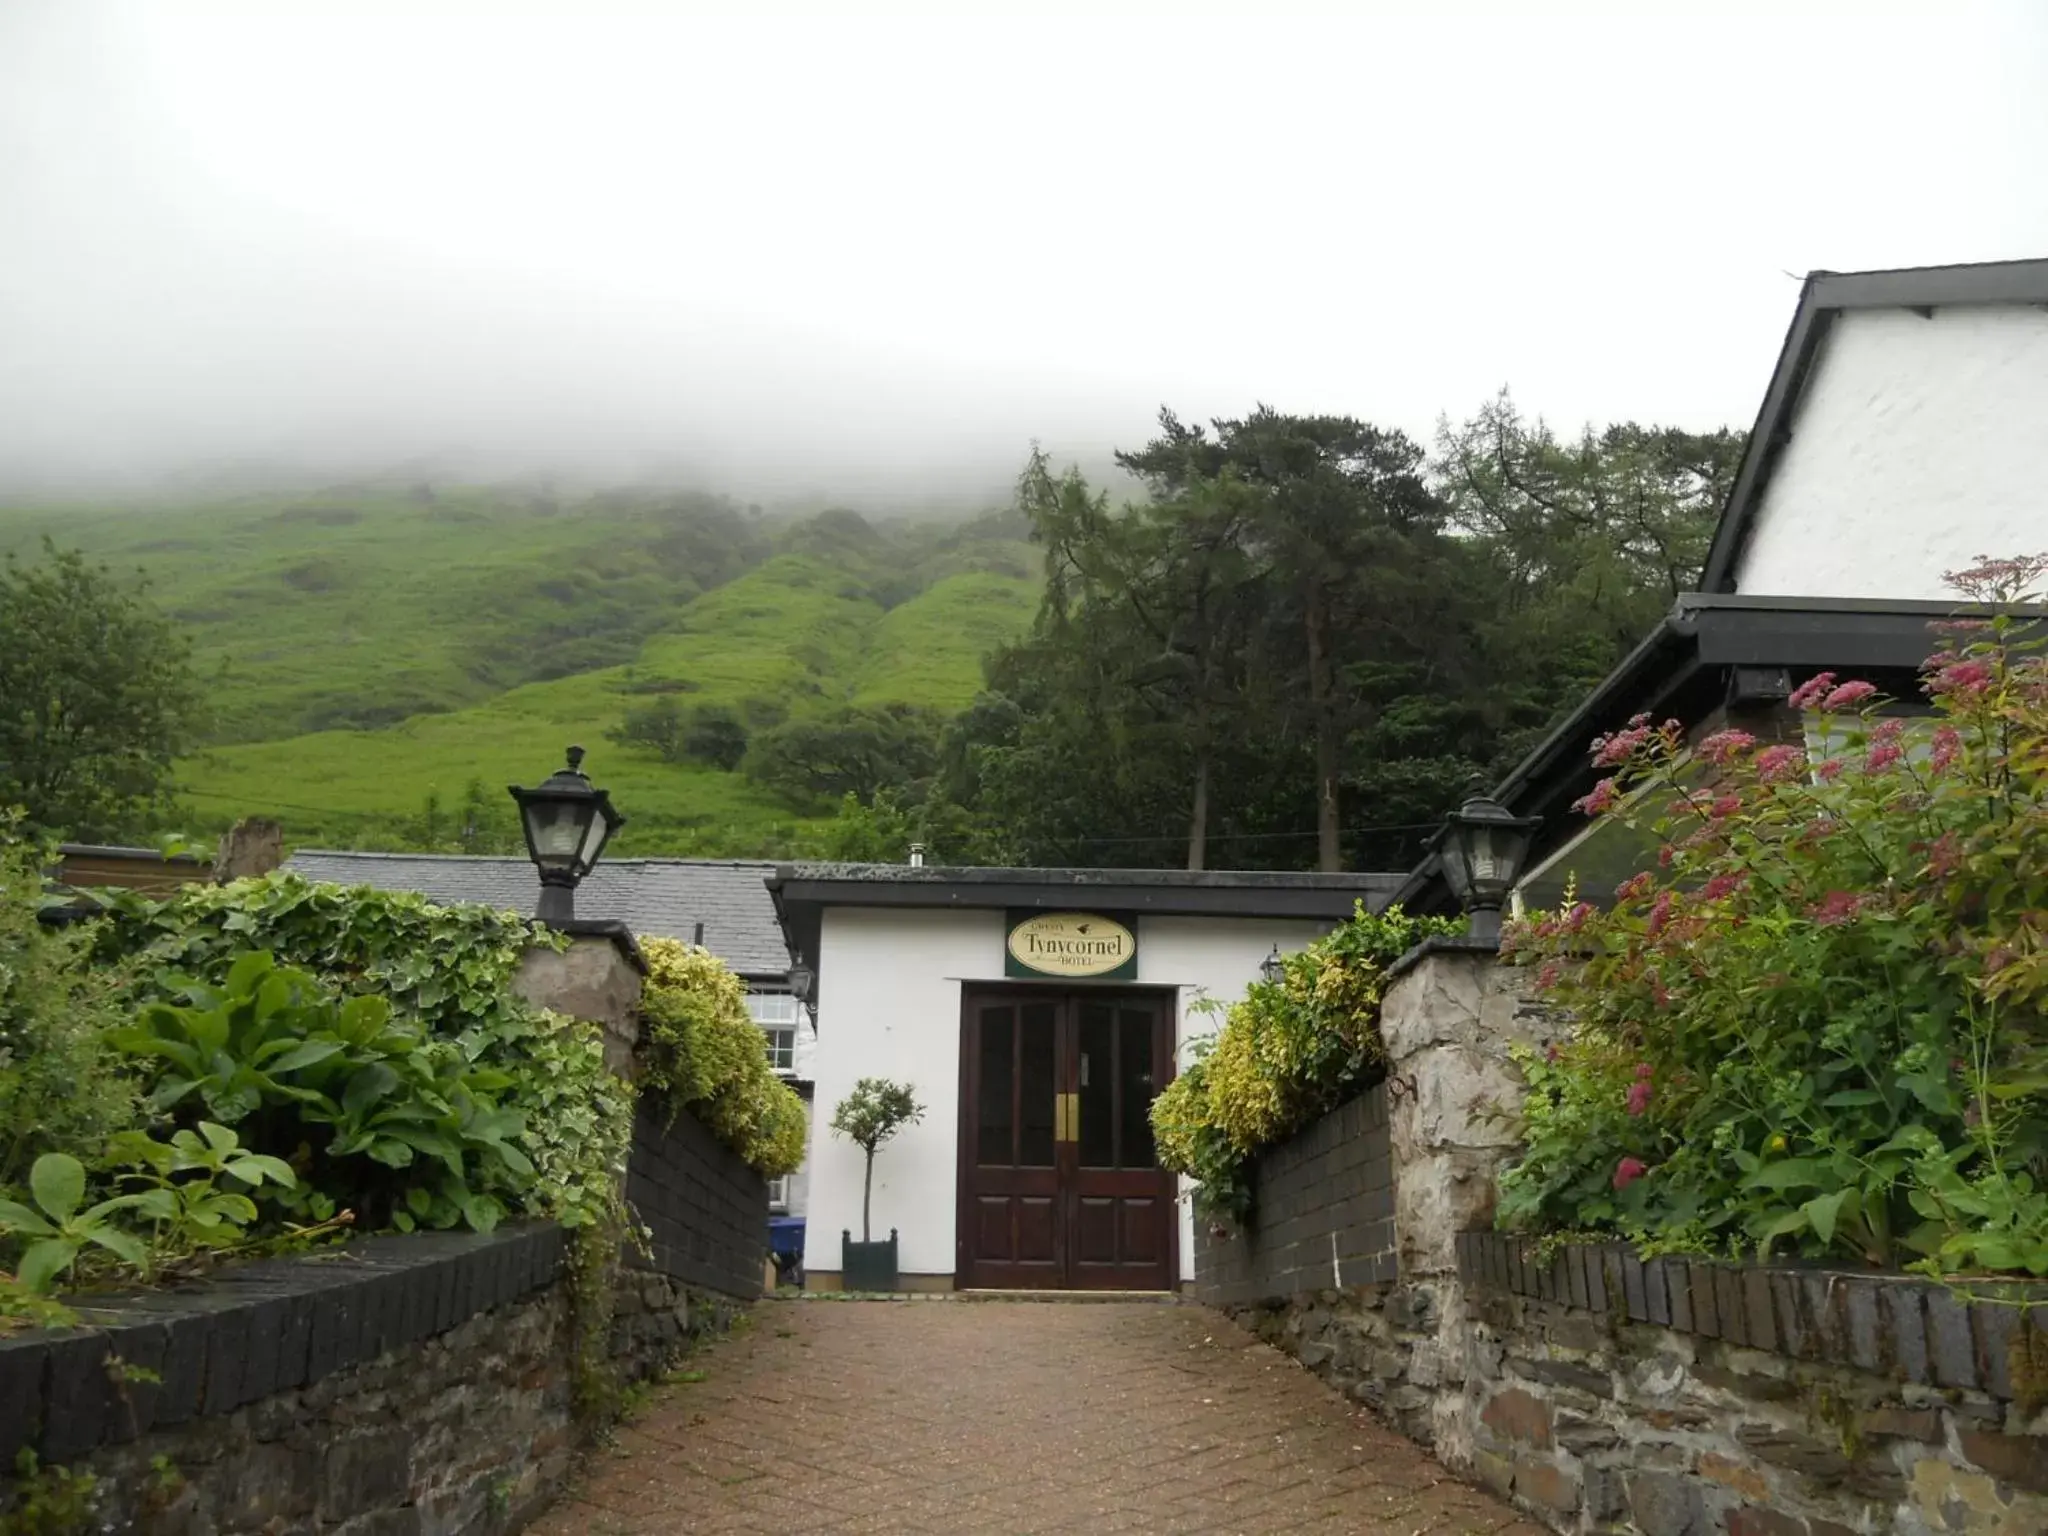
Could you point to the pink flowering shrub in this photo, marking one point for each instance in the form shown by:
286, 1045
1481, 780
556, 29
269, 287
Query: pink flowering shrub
1821, 1022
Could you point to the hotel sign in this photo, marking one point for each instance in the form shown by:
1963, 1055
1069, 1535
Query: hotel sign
1072, 945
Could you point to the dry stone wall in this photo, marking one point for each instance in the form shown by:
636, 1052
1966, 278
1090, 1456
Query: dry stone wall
1605, 1394
399, 1386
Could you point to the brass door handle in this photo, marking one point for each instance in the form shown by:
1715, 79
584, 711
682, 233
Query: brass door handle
1066, 1117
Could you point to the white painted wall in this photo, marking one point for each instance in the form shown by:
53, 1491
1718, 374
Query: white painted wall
1918, 445
889, 986
889, 1006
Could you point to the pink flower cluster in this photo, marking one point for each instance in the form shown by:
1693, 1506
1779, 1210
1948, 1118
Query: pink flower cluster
1627, 1171
1639, 1092
1779, 762
1836, 908
1723, 747
1963, 677
1604, 797
1998, 581
1660, 912
1723, 886
1848, 696
1623, 744
1948, 746
1809, 693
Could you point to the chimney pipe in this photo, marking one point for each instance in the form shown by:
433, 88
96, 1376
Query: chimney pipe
917, 855
697, 938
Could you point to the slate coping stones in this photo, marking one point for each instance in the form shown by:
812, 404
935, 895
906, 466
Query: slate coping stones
1891, 1325
21, 1391
249, 1332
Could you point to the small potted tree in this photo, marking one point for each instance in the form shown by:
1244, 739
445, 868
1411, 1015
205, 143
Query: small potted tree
876, 1110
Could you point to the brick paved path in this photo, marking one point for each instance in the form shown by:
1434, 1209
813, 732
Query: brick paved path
1010, 1417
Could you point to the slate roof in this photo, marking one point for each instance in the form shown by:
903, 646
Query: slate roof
653, 897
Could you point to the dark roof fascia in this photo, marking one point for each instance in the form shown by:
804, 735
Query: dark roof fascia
1160, 893
131, 855
1680, 669
1822, 297
1715, 629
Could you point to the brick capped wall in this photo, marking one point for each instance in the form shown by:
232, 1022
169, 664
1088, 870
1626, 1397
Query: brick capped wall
706, 1209
1322, 1214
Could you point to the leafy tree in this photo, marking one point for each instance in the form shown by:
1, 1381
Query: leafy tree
1158, 600
1585, 544
1340, 516
881, 832
875, 1111
715, 735
851, 751
658, 726
97, 697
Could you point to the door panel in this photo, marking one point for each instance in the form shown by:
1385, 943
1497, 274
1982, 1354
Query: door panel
1059, 1180
1010, 1230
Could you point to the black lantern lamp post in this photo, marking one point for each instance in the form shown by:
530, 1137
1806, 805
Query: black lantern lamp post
567, 824
1482, 847
800, 979
1273, 968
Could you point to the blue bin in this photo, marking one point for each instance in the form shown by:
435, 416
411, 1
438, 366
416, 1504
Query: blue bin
786, 1243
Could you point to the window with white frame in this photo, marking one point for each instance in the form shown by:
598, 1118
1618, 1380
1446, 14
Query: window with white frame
777, 1013
778, 1194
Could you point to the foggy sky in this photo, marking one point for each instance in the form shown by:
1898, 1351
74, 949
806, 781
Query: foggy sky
847, 247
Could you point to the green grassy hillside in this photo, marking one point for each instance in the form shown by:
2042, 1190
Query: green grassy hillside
368, 652
344, 609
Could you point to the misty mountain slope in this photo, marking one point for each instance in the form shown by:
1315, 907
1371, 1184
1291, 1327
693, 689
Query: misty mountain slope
800, 633
363, 608
917, 654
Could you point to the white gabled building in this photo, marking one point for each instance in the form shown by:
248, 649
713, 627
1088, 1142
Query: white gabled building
1035, 1013
1903, 434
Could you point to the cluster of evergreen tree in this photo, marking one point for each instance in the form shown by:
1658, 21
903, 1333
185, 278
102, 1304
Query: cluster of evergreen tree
1307, 640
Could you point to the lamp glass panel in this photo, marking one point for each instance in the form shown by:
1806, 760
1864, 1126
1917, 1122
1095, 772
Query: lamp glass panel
557, 831
594, 836
1457, 873
1484, 853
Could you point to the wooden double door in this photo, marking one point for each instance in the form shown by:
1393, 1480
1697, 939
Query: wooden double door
1060, 1185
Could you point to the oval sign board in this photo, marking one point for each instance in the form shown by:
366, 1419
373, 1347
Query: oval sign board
1071, 944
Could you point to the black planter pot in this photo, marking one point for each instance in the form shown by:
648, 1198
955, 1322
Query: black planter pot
867, 1266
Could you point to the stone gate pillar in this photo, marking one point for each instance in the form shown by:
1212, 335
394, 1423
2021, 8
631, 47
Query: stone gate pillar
1454, 1102
598, 978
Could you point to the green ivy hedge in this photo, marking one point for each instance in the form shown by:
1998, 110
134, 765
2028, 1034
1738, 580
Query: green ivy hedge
1287, 1052
700, 1051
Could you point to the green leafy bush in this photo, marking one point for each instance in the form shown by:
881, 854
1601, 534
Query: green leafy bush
448, 969
700, 1051
385, 1074
1819, 1025
1287, 1052
382, 1118
62, 1225
61, 1088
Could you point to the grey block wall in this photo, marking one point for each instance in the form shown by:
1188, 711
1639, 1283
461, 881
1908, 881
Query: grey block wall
1322, 1214
708, 1211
